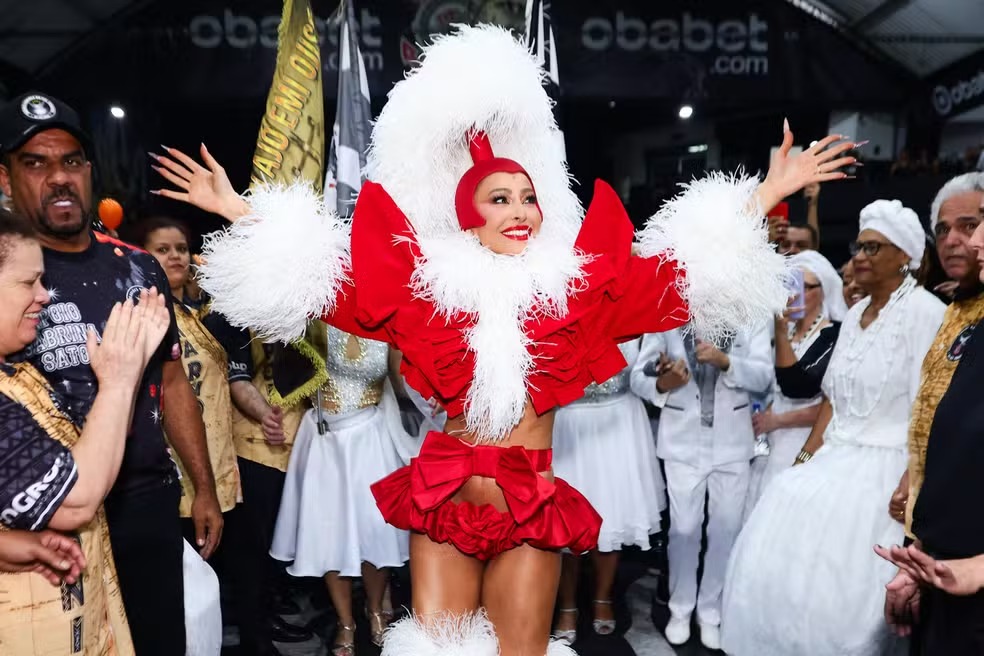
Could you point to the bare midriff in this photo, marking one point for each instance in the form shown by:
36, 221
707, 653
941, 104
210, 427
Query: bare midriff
532, 432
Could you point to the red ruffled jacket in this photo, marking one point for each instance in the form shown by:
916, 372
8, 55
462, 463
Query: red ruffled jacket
624, 296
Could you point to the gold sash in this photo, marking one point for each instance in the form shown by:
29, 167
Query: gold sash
206, 365
37, 618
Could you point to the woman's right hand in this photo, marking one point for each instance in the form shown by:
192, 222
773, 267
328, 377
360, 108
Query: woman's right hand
54, 556
130, 338
208, 189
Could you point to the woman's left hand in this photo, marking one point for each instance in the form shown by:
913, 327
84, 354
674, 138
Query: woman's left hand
764, 422
818, 163
962, 577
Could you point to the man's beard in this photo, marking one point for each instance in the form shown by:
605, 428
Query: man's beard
62, 231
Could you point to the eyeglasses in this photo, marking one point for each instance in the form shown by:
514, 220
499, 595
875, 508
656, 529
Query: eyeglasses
870, 248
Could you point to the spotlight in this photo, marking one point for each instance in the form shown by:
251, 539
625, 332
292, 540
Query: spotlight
117, 111
686, 111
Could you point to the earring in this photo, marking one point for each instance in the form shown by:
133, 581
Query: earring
904, 269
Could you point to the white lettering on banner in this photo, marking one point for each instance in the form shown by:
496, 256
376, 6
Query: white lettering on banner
946, 99
743, 43
245, 32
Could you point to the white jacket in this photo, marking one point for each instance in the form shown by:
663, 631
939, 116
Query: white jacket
680, 437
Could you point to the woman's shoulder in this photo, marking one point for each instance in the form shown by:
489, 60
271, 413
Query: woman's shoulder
927, 303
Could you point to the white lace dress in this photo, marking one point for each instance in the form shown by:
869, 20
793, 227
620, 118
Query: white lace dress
803, 578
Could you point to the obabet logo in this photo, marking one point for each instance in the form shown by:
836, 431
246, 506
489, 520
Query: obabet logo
742, 45
945, 98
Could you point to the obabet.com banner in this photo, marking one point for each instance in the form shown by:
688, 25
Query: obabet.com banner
758, 51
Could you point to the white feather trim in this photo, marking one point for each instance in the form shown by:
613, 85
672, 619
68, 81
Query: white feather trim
278, 266
477, 77
447, 635
558, 648
715, 232
480, 77
458, 275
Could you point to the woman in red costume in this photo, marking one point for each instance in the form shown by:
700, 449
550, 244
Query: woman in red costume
472, 256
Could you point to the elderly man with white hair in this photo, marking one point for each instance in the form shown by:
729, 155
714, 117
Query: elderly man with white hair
802, 577
944, 438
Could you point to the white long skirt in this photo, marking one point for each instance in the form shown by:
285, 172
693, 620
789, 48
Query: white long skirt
606, 451
802, 578
784, 445
328, 519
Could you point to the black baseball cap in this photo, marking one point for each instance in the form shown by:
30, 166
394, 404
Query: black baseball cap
32, 113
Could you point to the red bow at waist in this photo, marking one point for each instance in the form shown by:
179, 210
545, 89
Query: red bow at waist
445, 463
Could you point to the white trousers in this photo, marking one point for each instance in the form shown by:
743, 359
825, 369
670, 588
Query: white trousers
686, 485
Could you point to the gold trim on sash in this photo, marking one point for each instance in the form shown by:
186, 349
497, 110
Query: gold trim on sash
37, 617
206, 364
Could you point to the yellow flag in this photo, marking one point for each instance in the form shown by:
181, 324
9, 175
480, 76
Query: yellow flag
291, 142
291, 147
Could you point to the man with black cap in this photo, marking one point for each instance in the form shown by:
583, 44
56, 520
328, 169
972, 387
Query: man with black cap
46, 172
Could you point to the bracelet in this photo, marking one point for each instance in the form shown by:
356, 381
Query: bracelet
803, 457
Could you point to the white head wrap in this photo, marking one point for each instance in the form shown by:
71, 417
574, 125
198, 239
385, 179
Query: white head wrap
899, 225
833, 287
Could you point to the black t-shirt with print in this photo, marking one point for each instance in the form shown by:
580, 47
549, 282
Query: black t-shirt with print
83, 288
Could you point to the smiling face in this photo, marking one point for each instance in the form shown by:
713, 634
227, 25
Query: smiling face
852, 291
22, 296
507, 202
50, 182
169, 246
958, 219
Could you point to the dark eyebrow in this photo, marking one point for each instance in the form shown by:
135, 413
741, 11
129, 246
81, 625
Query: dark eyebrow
23, 155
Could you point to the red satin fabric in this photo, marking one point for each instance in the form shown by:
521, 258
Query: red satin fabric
622, 297
545, 515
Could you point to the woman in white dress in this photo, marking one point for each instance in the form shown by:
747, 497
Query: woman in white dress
802, 578
792, 415
328, 523
603, 445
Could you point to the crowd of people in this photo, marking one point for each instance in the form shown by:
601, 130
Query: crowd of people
816, 449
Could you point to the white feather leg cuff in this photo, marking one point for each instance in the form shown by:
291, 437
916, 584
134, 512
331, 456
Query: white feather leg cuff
448, 635
279, 266
734, 280
559, 648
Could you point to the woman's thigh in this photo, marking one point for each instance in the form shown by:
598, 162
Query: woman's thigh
518, 591
444, 579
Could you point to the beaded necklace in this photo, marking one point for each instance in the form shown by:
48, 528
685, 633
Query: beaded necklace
791, 330
850, 355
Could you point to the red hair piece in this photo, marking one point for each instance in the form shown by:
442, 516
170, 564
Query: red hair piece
485, 164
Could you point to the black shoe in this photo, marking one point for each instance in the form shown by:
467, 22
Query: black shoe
281, 631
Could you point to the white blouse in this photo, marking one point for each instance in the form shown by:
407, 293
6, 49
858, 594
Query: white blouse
874, 372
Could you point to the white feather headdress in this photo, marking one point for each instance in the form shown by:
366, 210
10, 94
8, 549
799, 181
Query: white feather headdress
480, 78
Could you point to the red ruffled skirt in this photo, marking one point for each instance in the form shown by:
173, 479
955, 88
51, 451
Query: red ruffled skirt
545, 515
